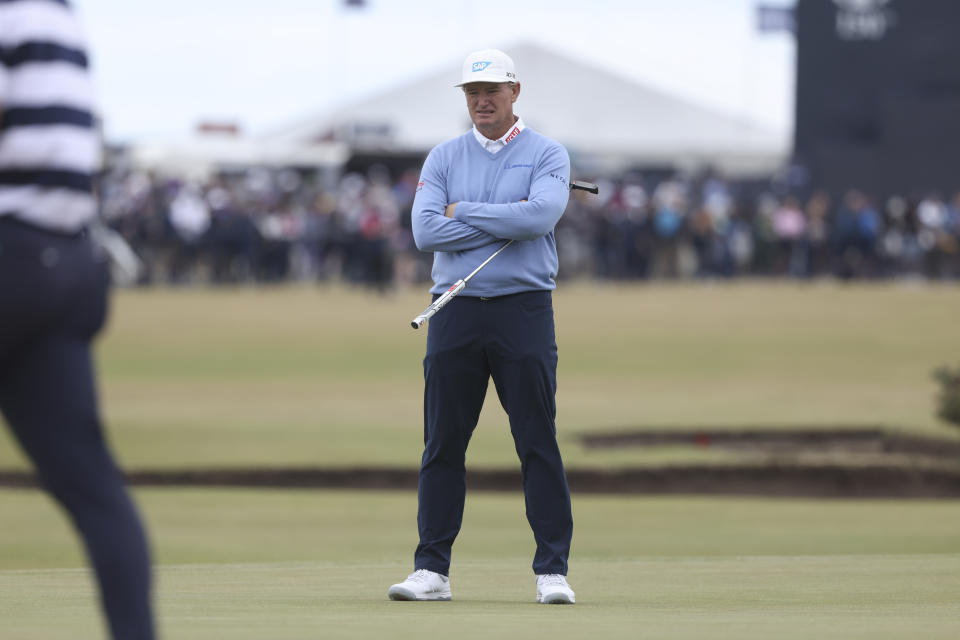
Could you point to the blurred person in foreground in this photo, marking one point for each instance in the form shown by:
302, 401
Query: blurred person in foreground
500, 181
53, 297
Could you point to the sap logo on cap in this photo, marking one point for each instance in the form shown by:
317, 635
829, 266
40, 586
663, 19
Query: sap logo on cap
486, 65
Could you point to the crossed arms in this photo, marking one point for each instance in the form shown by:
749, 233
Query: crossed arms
441, 225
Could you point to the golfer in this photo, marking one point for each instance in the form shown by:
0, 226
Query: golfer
500, 181
53, 297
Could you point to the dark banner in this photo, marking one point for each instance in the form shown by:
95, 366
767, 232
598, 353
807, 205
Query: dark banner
878, 95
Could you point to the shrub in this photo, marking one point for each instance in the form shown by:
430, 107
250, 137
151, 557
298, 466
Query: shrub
949, 399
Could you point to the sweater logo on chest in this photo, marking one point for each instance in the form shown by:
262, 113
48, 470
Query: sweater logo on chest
518, 165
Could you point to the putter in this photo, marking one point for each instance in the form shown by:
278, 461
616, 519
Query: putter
458, 286
584, 186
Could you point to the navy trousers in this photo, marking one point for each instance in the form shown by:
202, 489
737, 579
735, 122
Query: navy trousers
53, 300
511, 339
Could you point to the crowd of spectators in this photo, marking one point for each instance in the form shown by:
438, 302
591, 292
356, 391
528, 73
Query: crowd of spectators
268, 225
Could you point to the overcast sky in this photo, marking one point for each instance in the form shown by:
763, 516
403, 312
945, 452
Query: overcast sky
162, 66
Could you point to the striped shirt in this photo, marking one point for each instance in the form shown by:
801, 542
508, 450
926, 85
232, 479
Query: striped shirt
49, 142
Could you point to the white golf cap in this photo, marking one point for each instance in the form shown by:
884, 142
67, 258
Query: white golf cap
488, 65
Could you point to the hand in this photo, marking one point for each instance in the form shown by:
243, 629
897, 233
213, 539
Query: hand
450, 208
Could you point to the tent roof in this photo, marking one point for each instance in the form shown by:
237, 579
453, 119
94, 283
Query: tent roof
599, 116
202, 154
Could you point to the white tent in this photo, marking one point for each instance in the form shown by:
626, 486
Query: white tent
199, 155
603, 119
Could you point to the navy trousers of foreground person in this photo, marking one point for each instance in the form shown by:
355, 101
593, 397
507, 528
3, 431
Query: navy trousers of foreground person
511, 339
53, 299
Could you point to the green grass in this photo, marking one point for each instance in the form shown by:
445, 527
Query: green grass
249, 565
838, 597
329, 376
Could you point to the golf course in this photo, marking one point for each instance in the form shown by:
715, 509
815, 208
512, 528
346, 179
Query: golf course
330, 378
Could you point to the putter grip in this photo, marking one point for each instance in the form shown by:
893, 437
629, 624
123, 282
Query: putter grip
438, 304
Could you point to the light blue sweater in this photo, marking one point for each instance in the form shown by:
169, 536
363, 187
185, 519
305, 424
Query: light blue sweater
488, 189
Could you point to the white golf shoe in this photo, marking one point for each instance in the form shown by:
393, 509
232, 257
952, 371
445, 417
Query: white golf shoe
552, 588
422, 585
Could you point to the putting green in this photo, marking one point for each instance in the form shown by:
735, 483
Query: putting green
299, 564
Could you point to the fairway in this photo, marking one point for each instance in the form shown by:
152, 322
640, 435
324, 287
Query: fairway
283, 564
331, 376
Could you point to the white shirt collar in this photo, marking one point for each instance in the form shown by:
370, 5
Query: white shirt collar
493, 146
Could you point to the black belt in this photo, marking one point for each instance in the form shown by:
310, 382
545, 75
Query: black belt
510, 295
496, 298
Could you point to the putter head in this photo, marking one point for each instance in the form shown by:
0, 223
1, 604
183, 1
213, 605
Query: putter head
585, 186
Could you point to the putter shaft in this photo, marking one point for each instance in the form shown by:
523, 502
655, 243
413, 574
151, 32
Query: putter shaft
450, 293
